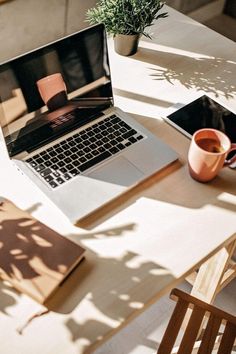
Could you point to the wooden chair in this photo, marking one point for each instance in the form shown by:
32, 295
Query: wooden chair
219, 331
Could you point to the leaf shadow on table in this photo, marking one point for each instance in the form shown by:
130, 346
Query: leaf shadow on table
7, 295
116, 274
212, 75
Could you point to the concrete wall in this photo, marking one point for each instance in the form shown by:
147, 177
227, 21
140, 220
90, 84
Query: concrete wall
27, 24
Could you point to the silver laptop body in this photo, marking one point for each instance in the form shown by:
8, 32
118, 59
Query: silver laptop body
82, 152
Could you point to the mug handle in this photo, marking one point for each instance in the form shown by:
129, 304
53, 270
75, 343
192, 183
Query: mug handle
233, 159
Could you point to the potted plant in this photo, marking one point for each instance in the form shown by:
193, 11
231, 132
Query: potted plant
126, 20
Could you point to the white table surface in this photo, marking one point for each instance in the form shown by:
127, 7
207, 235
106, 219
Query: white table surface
146, 243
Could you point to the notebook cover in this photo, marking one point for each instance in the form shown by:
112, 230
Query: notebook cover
33, 258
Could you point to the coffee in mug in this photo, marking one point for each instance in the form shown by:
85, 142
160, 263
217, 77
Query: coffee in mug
208, 154
210, 145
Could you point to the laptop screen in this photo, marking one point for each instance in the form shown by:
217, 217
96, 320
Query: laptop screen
54, 89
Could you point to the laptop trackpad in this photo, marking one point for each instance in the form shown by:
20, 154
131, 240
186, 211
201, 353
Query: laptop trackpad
119, 171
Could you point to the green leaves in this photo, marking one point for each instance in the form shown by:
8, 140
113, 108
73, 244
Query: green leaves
126, 16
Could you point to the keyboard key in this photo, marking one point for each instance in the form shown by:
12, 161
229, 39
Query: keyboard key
45, 172
60, 180
95, 152
114, 150
53, 184
123, 124
80, 153
75, 172
101, 149
120, 146
70, 167
132, 140
93, 146
76, 163
59, 150
86, 143
54, 160
61, 156
39, 160
47, 163
129, 134
72, 143
123, 130
99, 143
52, 153
46, 157
107, 146
139, 137
113, 142
49, 178
74, 157
116, 120
66, 176
83, 159
56, 174
84, 136
89, 156
98, 136
90, 133
92, 139
39, 168
95, 161
78, 139
87, 149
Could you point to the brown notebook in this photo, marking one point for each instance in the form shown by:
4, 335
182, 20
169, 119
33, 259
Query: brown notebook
33, 258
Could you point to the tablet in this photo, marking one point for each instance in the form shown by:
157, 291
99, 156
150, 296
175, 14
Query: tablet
204, 113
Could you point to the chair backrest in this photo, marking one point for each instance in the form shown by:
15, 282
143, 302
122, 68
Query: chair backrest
216, 320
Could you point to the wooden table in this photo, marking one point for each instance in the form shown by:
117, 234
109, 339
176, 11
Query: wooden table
152, 238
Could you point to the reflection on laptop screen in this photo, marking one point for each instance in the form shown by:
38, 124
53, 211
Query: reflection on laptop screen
54, 89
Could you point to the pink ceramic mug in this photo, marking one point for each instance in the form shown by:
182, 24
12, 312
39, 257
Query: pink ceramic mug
52, 89
208, 154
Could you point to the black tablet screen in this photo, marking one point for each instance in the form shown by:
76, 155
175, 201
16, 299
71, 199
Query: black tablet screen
205, 113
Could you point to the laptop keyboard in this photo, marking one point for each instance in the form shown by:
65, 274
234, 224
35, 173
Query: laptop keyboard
83, 150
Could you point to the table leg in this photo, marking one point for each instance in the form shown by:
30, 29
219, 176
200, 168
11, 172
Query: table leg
214, 274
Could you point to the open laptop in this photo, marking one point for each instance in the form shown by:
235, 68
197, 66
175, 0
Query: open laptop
62, 130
